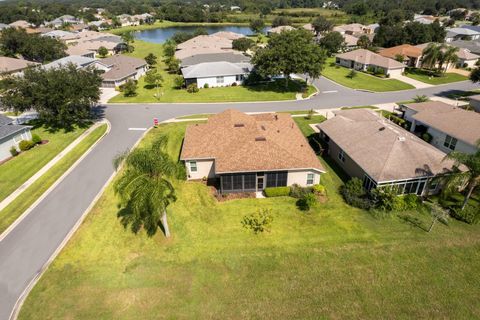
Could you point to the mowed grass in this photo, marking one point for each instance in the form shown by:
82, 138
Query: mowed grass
16, 171
362, 81
424, 76
297, 16
10, 213
273, 91
335, 262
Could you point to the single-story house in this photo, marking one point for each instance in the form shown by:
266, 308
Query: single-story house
233, 57
228, 35
216, 74
475, 102
280, 29
247, 153
465, 57
351, 42
13, 65
122, 68
20, 24
369, 147
308, 27
77, 50
10, 136
363, 59
81, 62
205, 41
451, 128
461, 34
127, 20
412, 55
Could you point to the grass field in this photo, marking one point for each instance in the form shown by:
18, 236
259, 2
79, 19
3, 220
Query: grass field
362, 80
9, 214
297, 16
168, 24
16, 171
334, 262
423, 76
274, 91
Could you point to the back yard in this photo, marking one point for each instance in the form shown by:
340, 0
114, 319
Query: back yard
333, 262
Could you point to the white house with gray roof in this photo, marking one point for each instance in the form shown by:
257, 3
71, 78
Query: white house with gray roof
216, 74
10, 136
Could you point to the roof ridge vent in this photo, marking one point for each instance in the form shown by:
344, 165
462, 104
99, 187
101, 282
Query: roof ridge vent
260, 138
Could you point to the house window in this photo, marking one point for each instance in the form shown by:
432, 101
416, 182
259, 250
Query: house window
193, 166
220, 80
450, 142
341, 155
239, 77
310, 177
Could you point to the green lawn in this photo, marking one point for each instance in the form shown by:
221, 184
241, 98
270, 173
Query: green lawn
274, 91
362, 81
34, 191
297, 16
168, 24
423, 76
16, 171
335, 262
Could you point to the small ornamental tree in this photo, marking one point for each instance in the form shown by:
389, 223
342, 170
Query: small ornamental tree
151, 59
129, 88
257, 26
154, 78
103, 52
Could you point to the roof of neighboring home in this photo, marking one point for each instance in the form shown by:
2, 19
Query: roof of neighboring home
3, 26
405, 50
216, 69
121, 67
7, 128
350, 40
185, 53
365, 56
472, 46
463, 53
78, 27
9, 65
280, 29
205, 41
462, 31
308, 27
78, 61
474, 28
228, 35
456, 122
385, 151
244, 143
5, 120
61, 34
232, 57
20, 24
78, 50
352, 27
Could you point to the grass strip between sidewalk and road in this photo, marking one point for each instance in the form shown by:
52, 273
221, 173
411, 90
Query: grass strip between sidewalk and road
34, 191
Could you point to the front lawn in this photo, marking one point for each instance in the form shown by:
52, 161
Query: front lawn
16, 171
425, 76
335, 262
362, 81
273, 91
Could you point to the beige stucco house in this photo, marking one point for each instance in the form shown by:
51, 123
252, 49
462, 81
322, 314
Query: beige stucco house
362, 59
247, 153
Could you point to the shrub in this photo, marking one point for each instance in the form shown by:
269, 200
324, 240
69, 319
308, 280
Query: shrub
354, 187
385, 198
36, 139
411, 201
470, 214
319, 189
206, 86
192, 88
299, 192
357, 202
234, 84
427, 137
310, 114
259, 221
243, 44
398, 204
277, 191
129, 88
178, 82
352, 74
13, 151
25, 145
307, 202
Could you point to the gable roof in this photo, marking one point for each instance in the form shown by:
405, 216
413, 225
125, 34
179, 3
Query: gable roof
233, 57
5, 120
405, 50
365, 56
241, 143
385, 151
9, 65
215, 69
456, 122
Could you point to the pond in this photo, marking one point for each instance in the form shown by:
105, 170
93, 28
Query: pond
160, 35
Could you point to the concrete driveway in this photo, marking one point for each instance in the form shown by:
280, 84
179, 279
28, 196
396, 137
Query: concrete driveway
28, 247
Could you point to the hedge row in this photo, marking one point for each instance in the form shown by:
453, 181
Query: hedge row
277, 191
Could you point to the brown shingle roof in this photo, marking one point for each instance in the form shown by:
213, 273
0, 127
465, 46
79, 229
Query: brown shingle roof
205, 41
9, 65
405, 50
382, 149
364, 56
240, 143
228, 35
456, 122
121, 67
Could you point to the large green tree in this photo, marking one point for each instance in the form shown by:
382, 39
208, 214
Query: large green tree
281, 21
332, 42
62, 96
257, 25
290, 52
145, 187
321, 25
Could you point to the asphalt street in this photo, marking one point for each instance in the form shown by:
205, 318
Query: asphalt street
28, 247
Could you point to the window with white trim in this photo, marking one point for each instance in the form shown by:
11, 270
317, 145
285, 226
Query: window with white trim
310, 177
193, 166
220, 79
450, 142
341, 155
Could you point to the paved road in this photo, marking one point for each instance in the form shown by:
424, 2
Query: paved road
25, 250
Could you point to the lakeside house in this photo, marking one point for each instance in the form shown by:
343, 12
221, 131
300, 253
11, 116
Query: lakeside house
232, 57
369, 147
364, 60
247, 153
451, 128
10, 136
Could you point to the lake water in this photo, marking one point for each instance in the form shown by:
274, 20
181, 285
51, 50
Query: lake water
161, 35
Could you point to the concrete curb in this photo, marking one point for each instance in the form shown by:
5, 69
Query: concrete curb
54, 185
36, 278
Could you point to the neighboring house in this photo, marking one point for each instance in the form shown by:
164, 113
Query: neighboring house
475, 102
309, 27
127, 20
80, 62
451, 128
143, 18
472, 46
77, 50
362, 59
62, 35
13, 65
461, 34
20, 24
216, 74
466, 59
186, 53
10, 136
4, 26
227, 35
356, 28
235, 8
122, 68
369, 147
280, 29
233, 57
424, 19
247, 153
60, 21
79, 27
412, 55
350, 41
203, 44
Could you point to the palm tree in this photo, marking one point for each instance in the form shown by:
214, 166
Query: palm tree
432, 55
471, 176
144, 188
449, 56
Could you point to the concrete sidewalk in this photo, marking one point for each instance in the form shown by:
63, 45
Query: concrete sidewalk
417, 84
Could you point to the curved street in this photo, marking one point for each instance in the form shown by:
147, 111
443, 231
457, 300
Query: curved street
29, 246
